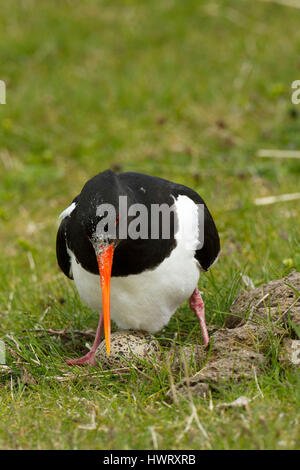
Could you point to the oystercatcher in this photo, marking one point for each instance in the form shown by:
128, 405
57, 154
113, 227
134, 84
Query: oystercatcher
145, 269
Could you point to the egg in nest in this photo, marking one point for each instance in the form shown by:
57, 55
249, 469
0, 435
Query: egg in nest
127, 346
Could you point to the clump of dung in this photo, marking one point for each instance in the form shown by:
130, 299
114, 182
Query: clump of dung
278, 301
270, 312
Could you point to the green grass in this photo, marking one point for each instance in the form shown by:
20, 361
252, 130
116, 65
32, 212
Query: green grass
184, 90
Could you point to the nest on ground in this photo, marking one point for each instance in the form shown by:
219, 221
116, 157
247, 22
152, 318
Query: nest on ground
257, 319
126, 347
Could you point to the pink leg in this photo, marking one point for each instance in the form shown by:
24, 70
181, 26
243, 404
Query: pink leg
89, 358
197, 305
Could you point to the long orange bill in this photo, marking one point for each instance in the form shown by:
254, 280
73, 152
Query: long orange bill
105, 259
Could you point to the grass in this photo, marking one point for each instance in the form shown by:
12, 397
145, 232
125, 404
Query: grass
185, 90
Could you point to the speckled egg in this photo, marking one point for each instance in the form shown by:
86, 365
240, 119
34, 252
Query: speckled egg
127, 346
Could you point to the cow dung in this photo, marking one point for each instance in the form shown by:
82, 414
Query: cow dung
278, 301
240, 350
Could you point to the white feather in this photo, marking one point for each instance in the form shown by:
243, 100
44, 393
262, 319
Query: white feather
67, 211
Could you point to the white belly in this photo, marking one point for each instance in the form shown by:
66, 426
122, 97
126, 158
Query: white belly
147, 301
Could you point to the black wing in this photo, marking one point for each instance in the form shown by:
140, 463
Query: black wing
62, 255
159, 192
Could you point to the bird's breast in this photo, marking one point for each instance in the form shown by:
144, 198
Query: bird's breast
147, 300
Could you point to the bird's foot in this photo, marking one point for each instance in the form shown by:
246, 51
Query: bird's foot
197, 305
88, 359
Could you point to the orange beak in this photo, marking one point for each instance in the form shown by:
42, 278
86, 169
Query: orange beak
105, 259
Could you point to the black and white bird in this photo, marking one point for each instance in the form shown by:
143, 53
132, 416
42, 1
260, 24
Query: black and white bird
138, 281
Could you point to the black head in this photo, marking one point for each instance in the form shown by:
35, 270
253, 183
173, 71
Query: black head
98, 208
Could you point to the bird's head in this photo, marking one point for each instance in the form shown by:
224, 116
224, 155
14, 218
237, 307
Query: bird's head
98, 207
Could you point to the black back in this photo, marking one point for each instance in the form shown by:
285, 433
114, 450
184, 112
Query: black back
130, 256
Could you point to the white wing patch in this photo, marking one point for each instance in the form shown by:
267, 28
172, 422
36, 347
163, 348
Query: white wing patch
67, 211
